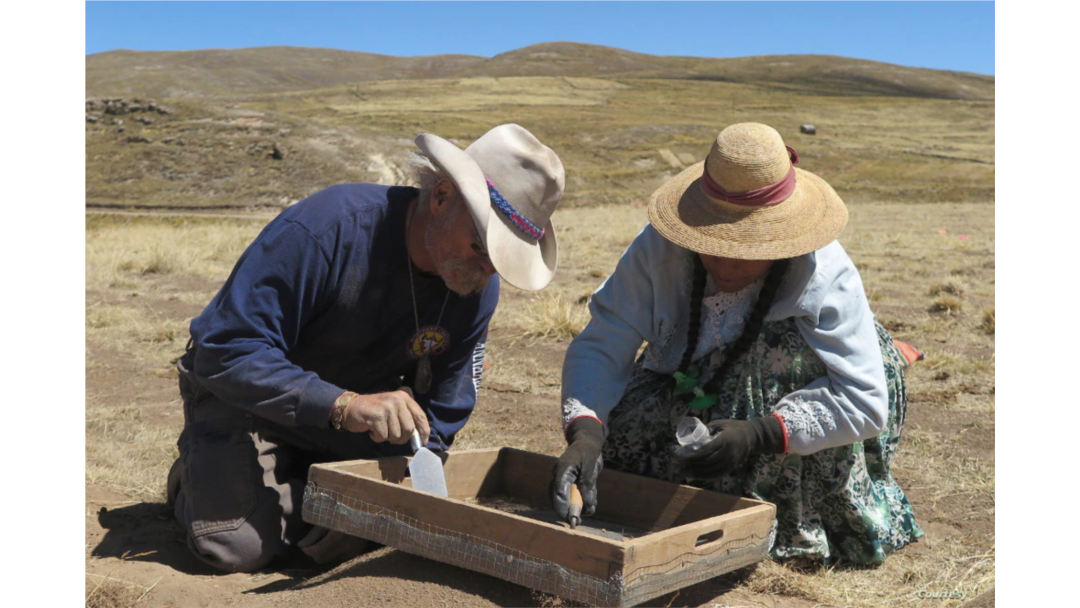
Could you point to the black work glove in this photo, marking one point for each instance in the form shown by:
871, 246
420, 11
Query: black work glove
732, 442
581, 464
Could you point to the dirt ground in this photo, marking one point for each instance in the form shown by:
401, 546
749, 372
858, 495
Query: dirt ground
136, 555
139, 543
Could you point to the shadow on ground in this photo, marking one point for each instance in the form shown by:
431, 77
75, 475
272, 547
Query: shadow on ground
146, 532
388, 563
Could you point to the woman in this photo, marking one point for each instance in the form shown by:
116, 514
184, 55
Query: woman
757, 322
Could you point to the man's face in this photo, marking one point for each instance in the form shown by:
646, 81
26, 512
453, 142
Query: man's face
732, 275
455, 245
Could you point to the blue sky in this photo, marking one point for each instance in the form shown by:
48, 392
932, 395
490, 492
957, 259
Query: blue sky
942, 35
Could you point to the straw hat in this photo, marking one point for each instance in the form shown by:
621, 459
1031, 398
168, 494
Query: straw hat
748, 201
512, 184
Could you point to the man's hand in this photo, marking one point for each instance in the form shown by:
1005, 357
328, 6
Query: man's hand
387, 416
581, 464
732, 443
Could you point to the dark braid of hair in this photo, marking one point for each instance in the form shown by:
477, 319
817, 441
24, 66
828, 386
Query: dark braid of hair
697, 294
752, 329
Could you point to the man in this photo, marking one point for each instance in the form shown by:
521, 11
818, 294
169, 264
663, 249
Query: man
357, 316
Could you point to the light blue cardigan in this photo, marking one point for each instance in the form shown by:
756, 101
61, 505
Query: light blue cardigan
646, 300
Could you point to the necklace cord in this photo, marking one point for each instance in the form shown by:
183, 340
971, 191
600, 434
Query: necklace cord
412, 286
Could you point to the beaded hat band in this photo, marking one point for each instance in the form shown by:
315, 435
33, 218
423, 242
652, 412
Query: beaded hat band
522, 222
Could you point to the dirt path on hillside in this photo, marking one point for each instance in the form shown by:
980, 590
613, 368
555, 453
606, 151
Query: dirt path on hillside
171, 212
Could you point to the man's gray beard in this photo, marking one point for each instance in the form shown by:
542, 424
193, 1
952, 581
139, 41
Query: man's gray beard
460, 276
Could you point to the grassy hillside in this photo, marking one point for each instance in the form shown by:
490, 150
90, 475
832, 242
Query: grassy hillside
820, 74
244, 71
240, 72
292, 125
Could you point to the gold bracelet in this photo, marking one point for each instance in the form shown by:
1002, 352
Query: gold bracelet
337, 415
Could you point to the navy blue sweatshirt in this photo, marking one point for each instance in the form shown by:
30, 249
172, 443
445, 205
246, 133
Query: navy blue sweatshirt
320, 303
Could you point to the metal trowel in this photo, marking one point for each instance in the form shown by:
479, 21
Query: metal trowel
425, 468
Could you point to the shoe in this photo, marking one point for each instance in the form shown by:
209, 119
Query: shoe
330, 547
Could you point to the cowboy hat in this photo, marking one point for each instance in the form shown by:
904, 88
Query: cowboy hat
511, 183
748, 201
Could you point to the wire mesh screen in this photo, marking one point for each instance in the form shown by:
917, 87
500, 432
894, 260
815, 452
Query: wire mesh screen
331, 509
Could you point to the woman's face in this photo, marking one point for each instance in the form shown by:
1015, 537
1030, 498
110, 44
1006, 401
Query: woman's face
732, 275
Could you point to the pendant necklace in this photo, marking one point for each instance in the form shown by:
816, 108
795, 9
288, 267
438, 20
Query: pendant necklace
423, 343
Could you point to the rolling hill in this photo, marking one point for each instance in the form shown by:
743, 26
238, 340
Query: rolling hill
279, 69
264, 127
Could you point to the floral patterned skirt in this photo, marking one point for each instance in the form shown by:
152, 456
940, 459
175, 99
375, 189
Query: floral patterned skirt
839, 503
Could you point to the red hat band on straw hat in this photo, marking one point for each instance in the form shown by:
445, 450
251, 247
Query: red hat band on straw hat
760, 197
748, 201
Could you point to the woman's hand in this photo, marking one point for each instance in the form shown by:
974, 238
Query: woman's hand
732, 442
581, 464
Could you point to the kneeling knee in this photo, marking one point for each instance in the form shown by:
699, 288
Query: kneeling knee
235, 551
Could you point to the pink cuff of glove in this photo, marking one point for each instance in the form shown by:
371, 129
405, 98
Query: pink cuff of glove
567, 426
783, 427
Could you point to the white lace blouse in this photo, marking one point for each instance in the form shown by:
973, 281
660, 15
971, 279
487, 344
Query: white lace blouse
723, 317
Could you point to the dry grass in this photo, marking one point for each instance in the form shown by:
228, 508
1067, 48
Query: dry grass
947, 304
126, 253
952, 287
521, 374
590, 243
933, 463
551, 316
397, 97
133, 261
952, 567
520, 434
155, 260
476, 434
126, 449
987, 324
107, 592
956, 364
145, 334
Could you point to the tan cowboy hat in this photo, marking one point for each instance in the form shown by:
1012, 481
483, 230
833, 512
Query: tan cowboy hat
748, 201
512, 184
